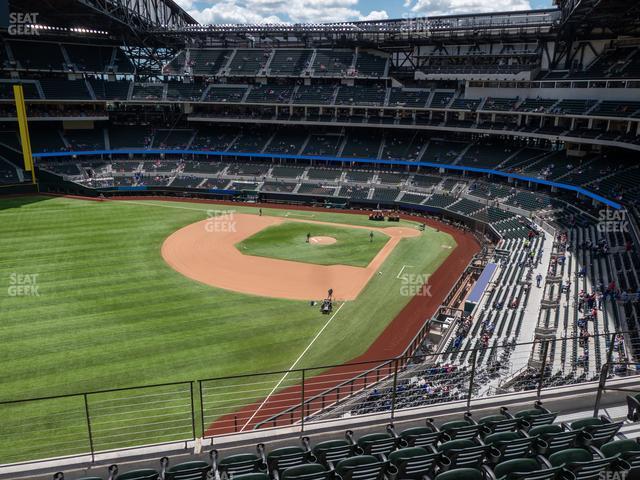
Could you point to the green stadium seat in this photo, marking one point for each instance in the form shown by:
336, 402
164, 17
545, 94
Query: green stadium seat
595, 431
580, 463
374, 443
417, 436
464, 453
331, 451
252, 476
361, 467
509, 445
625, 451
501, 422
311, 471
460, 429
461, 474
527, 469
416, 462
553, 438
140, 474
282, 458
193, 470
239, 464
534, 417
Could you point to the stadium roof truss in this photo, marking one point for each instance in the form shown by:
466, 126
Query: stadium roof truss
585, 16
383, 33
143, 14
113, 15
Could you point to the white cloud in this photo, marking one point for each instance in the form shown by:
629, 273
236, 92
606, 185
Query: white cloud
228, 11
278, 11
186, 4
453, 7
376, 15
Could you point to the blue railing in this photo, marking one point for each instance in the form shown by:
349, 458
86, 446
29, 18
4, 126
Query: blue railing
459, 168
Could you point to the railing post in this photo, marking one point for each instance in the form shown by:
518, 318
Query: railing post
393, 394
86, 412
611, 343
545, 353
302, 402
201, 406
604, 373
193, 412
471, 378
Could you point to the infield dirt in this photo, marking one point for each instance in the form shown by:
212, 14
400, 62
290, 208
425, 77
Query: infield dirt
206, 252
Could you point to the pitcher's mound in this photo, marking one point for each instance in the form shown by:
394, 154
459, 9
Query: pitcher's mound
322, 240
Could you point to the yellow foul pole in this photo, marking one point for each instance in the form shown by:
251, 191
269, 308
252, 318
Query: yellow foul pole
18, 94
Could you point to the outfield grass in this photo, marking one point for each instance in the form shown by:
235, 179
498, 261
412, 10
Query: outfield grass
110, 313
288, 241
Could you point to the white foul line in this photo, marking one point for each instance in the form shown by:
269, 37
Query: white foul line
402, 270
132, 202
292, 367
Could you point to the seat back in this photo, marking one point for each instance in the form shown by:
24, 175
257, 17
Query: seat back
627, 450
509, 445
142, 474
310, 471
196, 470
552, 438
542, 419
591, 470
419, 437
525, 469
580, 463
286, 457
555, 473
414, 462
240, 464
252, 476
534, 418
460, 430
461, 474
361, 467
464, 453
601, 434
497, 424
377, 443
333, 451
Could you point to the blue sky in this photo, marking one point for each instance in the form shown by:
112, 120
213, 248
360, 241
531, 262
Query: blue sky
293, 11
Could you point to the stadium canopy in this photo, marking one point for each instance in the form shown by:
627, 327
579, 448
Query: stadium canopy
114, 16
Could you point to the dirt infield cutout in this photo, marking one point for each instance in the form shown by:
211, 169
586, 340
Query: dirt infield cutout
322, 240
209, 256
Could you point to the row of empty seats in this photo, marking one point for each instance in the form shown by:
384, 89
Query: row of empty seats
528, 444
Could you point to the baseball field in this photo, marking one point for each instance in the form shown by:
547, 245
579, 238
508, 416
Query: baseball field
102, 295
